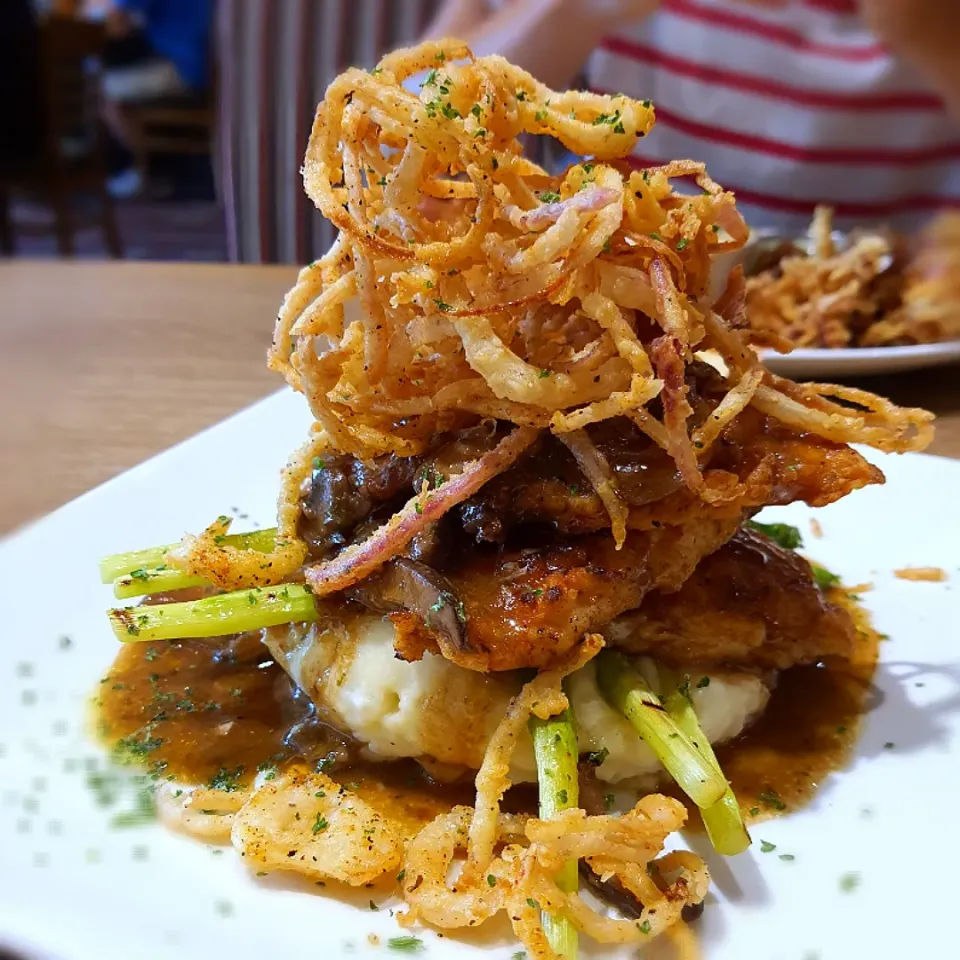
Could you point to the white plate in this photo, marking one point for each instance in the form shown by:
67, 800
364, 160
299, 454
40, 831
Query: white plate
808, 364
890, 818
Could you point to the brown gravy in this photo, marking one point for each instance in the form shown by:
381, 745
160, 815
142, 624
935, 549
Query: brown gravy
216, 712
808, 729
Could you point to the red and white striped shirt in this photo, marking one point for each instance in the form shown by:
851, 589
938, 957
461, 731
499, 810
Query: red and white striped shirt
788, 108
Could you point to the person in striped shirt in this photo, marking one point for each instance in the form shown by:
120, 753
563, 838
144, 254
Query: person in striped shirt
790, 103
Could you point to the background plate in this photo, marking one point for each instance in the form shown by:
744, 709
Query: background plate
73, 888
860, 361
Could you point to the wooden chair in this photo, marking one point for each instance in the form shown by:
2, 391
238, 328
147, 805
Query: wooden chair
174, 125
72, 156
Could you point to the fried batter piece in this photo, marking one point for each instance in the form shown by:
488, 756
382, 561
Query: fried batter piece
527, 608
750, 604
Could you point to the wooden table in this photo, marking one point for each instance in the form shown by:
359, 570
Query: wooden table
105, 364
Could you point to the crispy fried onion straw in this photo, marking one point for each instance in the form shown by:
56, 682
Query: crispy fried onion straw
467, 282
207, 556
235, 568
512, 861
201, 812
866, 292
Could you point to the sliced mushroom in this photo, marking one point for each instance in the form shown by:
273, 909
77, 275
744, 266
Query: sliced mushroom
407, 584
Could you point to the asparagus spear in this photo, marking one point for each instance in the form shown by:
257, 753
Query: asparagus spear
216, 616
555, 748
625, 690
162, 579
723, 820
126, 564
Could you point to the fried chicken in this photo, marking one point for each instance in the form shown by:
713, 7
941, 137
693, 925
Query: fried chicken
750, 604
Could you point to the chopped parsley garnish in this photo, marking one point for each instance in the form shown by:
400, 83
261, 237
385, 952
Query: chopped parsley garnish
401, 875
823, 577
521, 94
596, 757
703, 682
140, 574
320, 823
787, 857
476, 110
532, 903
431, 78
491, 880
540, 115
770, 798
405, 944
611, 118
442, 307
849, 882
644, 927
549, 196
142, 813
130, 748
223, 779
782, 534
382, 182
562, 796
326, 762
682, 244
544, 374
767, 847
608, 801
655, 236
373, 906
450, 111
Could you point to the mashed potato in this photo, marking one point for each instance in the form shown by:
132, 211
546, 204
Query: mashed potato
434, 710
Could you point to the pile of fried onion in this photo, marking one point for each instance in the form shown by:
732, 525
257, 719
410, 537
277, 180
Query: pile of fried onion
467, 283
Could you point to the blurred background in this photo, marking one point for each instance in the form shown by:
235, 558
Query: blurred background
173, 130
152, 214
